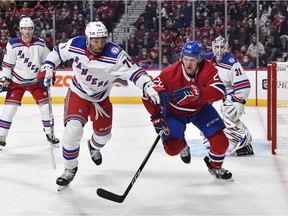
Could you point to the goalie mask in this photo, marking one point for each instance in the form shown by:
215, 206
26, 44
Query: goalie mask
219, 47
95, 30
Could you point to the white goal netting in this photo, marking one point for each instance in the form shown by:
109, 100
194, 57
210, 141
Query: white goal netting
281, 108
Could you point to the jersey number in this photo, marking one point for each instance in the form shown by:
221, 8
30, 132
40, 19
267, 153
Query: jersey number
128, 62
238, 72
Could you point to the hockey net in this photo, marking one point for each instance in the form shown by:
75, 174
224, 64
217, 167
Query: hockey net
277, 107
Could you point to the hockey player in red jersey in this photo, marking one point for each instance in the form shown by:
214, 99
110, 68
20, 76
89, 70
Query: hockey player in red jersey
185, 91
21, 65
98, 65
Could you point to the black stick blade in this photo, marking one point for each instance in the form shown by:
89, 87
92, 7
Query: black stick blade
110, 196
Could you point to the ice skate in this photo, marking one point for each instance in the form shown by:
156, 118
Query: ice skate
64, 180
55, 140
221, 173
95, 154
2, 142
185, 154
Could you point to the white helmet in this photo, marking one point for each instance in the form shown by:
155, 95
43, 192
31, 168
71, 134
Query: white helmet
95, 30
26, 22
219, 47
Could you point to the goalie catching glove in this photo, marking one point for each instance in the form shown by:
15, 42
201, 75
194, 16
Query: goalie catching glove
232, 110
159, 124
4, 83
47, 76
156, 94
187, 94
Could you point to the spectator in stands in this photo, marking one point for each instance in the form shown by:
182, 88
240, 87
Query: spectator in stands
38, 10
235, 46
181, 22
12, 26
176, 56
148, 41
49, 41
182, 38
165, 61
272, 44
166, 37
199, 19
252, 50
280, 22
188, 12
50, 10
220, 27
25, 10
12, 11
63, 16
250, 28
206, 28
141, 21
177, 11
46, 30
244, 38
247, 63
142, 58
64, 38
4, 31
154, 24
106, 15
150, 10
133, 49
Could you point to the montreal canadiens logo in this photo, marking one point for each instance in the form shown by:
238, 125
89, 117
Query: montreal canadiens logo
115, 50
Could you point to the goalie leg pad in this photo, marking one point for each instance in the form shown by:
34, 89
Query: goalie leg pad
173, 146
239, 136
245, 150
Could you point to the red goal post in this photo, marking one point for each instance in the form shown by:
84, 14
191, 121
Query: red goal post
277, 106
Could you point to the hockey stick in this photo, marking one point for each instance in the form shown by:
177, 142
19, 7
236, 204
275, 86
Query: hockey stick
120, 198
51, 120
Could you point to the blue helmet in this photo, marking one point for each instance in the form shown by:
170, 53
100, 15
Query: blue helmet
193, 49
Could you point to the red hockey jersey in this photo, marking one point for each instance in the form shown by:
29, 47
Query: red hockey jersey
174, 78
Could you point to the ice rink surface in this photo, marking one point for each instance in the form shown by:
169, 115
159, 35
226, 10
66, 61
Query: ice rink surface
166, 186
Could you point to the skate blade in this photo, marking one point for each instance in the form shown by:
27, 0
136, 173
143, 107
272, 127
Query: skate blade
61, 188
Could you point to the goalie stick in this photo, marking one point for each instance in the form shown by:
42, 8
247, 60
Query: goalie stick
120, 198
51, 120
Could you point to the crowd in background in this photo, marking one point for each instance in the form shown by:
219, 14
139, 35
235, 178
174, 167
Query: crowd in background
176, 27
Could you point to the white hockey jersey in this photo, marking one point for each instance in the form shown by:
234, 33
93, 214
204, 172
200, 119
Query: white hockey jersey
22, 62
233, 76
95, 76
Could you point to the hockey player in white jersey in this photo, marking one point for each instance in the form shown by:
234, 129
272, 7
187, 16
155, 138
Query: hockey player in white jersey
237, 91
98, 65
20, 67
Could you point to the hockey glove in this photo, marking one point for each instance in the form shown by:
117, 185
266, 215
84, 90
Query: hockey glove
156, 94
187, 94
4, 83
47, 76
159, 124
232, 110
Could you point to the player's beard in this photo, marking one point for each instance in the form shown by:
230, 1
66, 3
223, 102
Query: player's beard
95, 51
